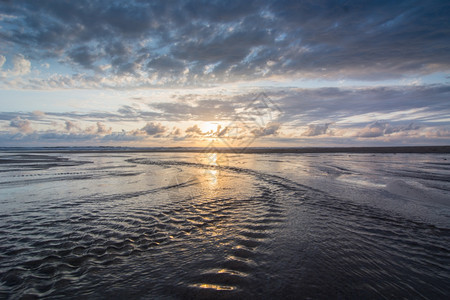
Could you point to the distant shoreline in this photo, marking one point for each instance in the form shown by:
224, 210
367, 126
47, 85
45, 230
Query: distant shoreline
250, 150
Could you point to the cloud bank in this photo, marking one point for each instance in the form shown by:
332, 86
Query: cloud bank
381, 114
191, 43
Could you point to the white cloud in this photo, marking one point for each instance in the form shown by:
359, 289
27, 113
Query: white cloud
372, 130
100, 128
38, 114
23, 125
2, 61
176, 131
22, 66
70, 126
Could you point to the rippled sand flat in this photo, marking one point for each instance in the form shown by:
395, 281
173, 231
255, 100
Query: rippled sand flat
198, 225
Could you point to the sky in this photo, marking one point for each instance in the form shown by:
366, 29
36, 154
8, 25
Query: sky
225, 73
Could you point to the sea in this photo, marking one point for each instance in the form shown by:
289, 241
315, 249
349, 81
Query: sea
83, 224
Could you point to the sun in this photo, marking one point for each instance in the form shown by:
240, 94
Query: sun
210, 128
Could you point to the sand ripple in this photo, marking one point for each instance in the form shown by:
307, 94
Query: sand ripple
238, 234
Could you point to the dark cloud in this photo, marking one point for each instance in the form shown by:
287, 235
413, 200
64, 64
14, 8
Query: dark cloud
133, 113
199, 109
222, 132
192, 42
303, 107
270, 129
395, 129
121, 137
316, 129
194, 129
124, 113
69, 139
378, 129
128, 110
7, 116
154, 128
166, 65
229, 50
326, 105
83, 56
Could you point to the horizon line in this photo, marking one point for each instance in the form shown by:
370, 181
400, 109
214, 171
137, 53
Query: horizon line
236, 150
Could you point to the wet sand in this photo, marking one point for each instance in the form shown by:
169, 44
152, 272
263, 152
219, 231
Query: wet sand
224, 225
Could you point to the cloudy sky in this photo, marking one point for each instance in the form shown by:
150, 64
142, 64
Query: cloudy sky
234, 73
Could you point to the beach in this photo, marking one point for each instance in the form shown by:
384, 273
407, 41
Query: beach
103, 223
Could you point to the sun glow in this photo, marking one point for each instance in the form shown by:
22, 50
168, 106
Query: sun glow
209, 129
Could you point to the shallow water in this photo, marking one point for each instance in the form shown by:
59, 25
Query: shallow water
175, 225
